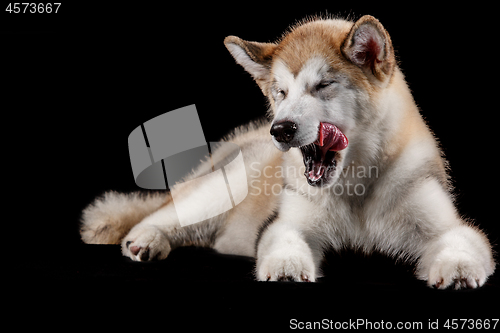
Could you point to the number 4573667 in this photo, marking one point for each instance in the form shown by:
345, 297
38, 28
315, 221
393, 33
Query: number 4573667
33, 7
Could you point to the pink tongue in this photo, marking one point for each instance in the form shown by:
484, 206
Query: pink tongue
331, 138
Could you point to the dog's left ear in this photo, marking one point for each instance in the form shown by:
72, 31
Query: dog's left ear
369, 47
253, 56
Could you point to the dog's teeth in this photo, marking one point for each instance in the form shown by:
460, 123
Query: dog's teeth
314, 175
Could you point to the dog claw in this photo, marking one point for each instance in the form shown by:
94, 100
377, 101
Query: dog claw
438, 283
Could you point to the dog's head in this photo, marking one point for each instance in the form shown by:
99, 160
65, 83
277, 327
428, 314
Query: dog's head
321, 80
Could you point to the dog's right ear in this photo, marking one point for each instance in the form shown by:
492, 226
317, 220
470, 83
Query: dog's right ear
253, 56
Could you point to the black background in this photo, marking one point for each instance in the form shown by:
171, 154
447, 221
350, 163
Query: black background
76, 83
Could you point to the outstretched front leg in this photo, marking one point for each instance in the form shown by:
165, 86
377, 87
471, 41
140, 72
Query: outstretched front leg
450, 252
457, 255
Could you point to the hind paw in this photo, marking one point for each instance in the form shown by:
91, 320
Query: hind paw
145, 243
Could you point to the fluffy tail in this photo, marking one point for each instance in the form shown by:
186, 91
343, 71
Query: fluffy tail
110, 217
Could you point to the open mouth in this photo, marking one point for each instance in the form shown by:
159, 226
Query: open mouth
320, 157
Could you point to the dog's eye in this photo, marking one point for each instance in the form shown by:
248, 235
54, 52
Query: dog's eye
281, 93
324, 84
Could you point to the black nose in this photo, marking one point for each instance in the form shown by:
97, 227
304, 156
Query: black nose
284, 131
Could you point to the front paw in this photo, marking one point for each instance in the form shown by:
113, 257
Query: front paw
459, 258
145, 243
457, 269
286, 266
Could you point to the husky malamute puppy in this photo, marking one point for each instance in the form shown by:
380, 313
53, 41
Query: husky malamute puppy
347, 161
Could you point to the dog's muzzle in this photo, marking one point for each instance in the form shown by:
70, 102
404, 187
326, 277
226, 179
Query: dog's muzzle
320, 158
